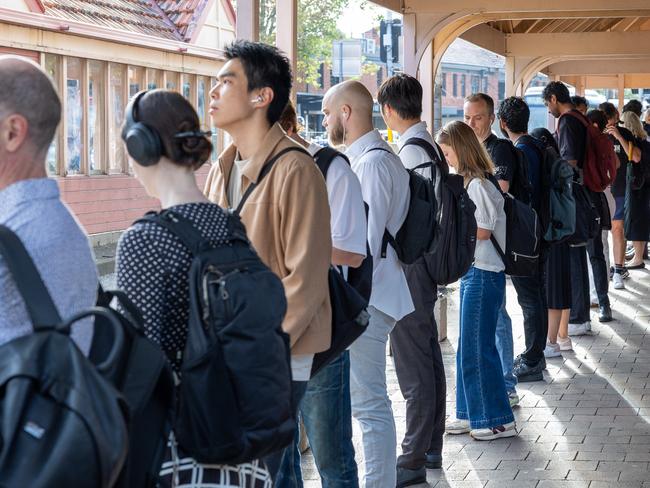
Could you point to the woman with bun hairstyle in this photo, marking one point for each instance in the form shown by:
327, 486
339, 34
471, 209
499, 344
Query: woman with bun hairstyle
153, 265
482, 406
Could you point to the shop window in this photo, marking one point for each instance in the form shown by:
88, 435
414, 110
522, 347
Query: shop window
154, 79
96, 111
172, 81
202, 94
53, 69
74, 115
136, 80
117, 103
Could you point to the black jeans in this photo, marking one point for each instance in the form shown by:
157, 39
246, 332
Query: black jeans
531, 295
599, 267
420, 372
580, 300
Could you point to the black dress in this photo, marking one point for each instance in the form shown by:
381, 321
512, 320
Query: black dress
152, 269
637, 199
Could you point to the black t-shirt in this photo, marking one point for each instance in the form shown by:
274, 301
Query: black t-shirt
571, 137
618, 185
508, 167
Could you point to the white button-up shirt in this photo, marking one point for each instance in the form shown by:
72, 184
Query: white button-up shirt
385, 188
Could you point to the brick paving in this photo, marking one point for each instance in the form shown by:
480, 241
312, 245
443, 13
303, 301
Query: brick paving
586, 425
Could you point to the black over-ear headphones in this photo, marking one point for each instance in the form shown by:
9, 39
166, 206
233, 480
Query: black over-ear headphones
143, 142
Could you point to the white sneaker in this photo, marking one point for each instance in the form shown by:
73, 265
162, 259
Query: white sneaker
491, 433
457, 427
513, 398
565, 344
577, 329
552, 351
618, 281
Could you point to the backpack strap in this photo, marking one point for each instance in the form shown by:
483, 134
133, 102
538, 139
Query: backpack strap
427, 146
179, 226
324, 158
39, 304
266, 169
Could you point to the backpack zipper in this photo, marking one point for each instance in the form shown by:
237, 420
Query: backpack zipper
223, 292
523, 256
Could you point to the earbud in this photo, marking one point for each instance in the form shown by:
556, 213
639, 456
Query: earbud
260, 98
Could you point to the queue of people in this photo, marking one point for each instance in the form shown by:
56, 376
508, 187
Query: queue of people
306, 220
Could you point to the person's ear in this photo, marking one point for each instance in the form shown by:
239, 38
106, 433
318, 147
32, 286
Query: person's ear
264, 97
13, 132
346, 111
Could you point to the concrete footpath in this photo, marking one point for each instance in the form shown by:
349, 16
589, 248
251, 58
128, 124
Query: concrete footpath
586, 425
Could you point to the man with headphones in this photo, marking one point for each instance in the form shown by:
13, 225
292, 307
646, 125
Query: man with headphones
348, 109
281, 198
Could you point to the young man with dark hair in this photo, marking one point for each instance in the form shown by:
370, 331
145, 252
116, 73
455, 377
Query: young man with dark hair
478, 112
325, 408
626, 151
414, 340
572, 140
581, 104
287, 216
514, 115
348, 109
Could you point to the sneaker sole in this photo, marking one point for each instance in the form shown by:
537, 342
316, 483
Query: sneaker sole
553, 355
622, 287
458, 431
500, 435
527, 378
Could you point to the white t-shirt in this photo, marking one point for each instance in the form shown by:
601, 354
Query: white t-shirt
490, 216
234, 190
348, 216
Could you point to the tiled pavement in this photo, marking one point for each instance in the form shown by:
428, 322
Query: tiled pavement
586, 425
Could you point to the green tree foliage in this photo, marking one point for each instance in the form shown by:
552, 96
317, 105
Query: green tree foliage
316, 32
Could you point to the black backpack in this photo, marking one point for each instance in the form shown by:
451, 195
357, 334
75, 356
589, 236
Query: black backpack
452, 253
141, 372
234, 397
557, 204
349, 299
62, 423
416, 236
523, 236
520, 187
587, 217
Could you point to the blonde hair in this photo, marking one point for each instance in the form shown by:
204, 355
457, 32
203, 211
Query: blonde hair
632, 122
473, 159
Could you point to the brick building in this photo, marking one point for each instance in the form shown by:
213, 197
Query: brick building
99, 54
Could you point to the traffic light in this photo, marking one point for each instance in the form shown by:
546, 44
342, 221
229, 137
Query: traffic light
396, 33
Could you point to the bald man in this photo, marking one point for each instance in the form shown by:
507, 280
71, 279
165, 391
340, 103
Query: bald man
30, 204
348, 111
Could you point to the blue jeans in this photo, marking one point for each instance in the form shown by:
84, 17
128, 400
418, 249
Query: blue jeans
481, 395
505, 346
277, 462
325, 411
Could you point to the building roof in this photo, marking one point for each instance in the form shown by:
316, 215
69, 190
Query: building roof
169, 19
463, 52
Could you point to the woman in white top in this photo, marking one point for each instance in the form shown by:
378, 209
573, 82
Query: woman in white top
482, 407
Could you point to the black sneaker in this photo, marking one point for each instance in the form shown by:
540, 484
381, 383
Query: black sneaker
605, 314
526, 373
520, 358
408, 477
434, 461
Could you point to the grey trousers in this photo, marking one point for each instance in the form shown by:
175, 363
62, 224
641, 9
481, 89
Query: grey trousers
420, 372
